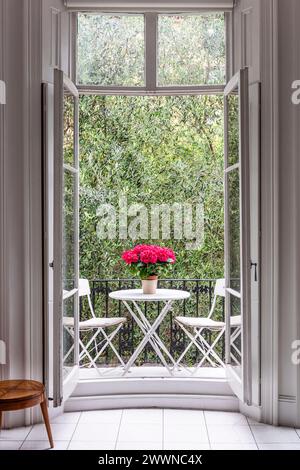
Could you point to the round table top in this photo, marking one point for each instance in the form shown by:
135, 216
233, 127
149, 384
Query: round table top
14, 390
161, 295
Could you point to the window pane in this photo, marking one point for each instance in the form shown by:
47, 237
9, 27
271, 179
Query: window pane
69, 128
233, 181
69, 231
68, 335
191, 49
111, 50
233, 129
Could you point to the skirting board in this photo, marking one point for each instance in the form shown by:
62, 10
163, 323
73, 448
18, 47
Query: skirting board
196, 402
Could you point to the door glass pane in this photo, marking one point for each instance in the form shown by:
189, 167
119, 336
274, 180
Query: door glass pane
69, 118
69, 259
233, 185
235, 334
68, 335
234, 264
111, 49
191, 49
233, 129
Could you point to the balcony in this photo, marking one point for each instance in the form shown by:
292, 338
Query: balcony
130, 335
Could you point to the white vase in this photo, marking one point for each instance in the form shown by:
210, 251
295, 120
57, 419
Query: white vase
150, 285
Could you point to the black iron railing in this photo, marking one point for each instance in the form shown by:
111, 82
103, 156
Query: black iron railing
199, 304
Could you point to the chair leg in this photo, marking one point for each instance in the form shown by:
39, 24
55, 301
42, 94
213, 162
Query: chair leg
47, 422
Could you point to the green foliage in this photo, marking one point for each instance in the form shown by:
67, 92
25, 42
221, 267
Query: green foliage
151, 150
143, 271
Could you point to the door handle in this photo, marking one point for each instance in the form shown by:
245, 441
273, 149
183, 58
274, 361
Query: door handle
254, 265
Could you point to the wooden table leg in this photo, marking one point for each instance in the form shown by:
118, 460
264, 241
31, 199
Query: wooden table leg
47, 422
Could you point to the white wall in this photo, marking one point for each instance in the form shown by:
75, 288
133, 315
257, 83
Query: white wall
33, 38
13, 180
267, 39
289, 171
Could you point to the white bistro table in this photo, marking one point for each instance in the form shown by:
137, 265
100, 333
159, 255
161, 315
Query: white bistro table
131, 299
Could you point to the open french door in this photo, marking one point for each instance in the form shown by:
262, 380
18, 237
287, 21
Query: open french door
66, 239
241, 241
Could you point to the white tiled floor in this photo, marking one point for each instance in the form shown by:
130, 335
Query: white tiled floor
154, 429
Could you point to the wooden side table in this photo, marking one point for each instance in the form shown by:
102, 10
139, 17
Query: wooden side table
21, 394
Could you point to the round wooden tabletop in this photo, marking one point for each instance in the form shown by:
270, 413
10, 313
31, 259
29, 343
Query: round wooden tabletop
19, 390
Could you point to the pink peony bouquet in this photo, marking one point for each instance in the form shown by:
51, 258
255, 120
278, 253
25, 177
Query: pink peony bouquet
149, 260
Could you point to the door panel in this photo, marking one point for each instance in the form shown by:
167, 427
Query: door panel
66, 237
255, 227
237, 237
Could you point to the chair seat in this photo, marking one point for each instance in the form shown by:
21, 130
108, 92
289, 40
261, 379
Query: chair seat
95, 322
236, 321
199, 322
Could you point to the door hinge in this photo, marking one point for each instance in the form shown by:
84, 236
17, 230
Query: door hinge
51, 265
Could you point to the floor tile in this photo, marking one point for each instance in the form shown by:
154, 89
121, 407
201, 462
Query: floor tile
236, 446
101, 416
216, 417
60, 432
185, 446
185, 433
184, 417
44, 445
15, 434
265, 434
10, 445
91, 445
286, 446
140, 432
96, 432
153, 416
68, 418
232, 434
139, 445
253, 422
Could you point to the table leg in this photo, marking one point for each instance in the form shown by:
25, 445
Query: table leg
154, 335
47, 422
149, 333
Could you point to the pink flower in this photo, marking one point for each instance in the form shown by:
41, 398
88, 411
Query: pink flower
163, 255
130, 257
148, 256
171, 255
139, 248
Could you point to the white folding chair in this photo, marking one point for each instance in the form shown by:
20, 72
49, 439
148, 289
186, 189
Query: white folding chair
98, 327
195, 326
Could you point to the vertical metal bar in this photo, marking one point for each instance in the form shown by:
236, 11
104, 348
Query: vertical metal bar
151, 50
229, 41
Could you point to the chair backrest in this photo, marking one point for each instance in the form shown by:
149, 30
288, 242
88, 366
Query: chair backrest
219, 291
220, 288
85, 291
84, 288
